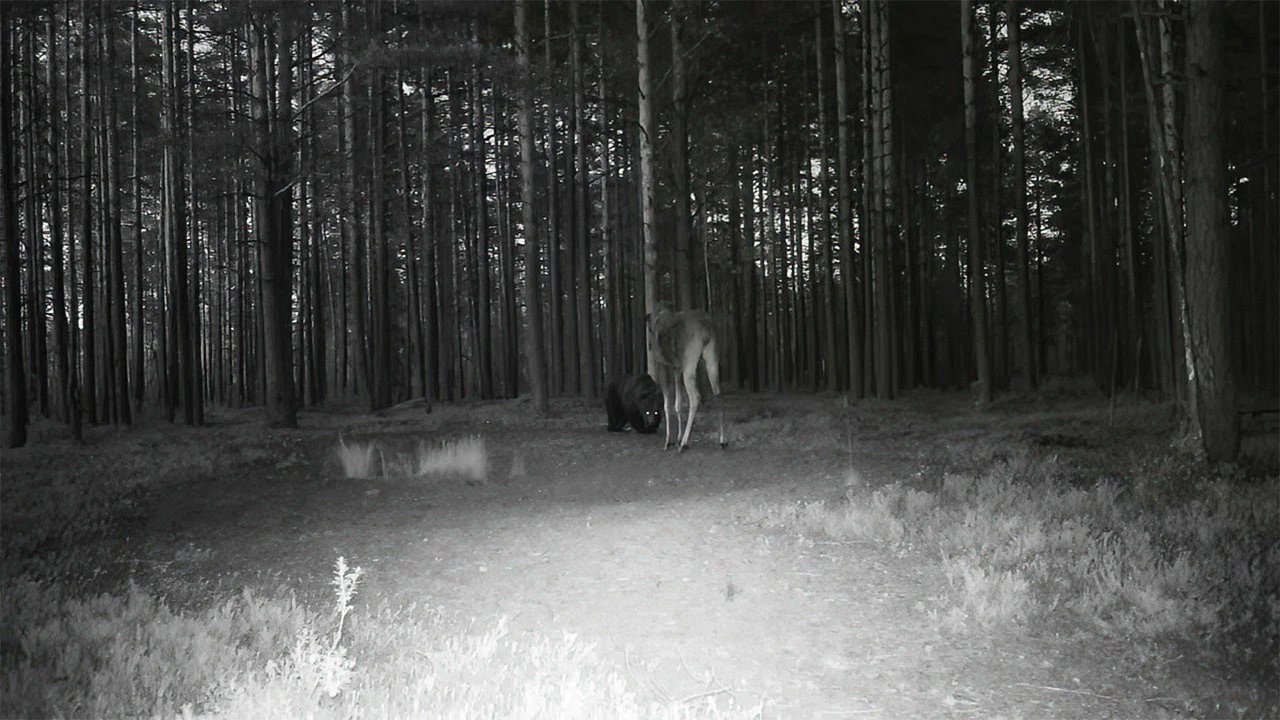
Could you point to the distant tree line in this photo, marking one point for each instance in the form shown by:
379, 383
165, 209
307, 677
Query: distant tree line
284, 203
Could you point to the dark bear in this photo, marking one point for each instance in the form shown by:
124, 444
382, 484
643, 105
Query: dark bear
635, 400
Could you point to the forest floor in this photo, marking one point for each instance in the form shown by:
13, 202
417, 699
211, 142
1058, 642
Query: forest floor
673, 565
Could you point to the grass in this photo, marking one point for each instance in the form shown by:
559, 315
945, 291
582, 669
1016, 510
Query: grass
1166, 547
356, 458
268, 657
467, 457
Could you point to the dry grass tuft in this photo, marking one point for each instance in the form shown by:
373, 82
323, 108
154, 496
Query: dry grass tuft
465, 456
357, 459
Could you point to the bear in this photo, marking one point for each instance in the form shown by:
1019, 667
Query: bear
634, 400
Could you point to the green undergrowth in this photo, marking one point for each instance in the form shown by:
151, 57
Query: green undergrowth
255, 656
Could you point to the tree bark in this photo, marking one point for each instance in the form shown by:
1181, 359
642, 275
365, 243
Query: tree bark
88, 342
1208, 233
37, 320
830, 379
853, 314
535, 370
352, 222
196, 320
64, 363
611, 302
1026, 355
115, 284
881, 184
15, 363
582, 200
181, 356
431, 354
646, 175
559, 371
139, 364
274, 250
977, 291
1161, 120
683, 270
480, 158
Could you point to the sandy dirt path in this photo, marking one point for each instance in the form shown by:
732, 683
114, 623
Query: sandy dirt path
657, 558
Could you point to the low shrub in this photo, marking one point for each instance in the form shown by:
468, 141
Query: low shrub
257, 657
1169, 548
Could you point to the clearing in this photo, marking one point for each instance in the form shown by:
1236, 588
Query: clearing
675, 566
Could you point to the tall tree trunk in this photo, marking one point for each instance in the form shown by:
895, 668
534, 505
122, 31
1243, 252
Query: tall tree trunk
559, 371
181, 331
484, 325
611, 305
430, 240
352, 223
1135, 329
61, 330
852, 312
380, 270
1000, 301
1208, 233
881, 183
1107, 241
319, 332
139, 366
196, 317
830, 378
115, 284
509, 314
37, 319
88, 342
683, 270
1161, 120
582, 206
868, 227
415, 356
15, 363
750, 314
977, 291
535, 370
270, 222
646, 174
1026, 356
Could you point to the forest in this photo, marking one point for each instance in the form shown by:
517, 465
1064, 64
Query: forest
278, 204
993, 287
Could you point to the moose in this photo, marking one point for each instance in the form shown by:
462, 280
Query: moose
680, 340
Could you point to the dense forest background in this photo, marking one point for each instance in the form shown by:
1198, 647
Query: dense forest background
289, 203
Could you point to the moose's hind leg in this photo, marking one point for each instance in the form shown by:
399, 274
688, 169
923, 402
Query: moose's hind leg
667, 405
691, 389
